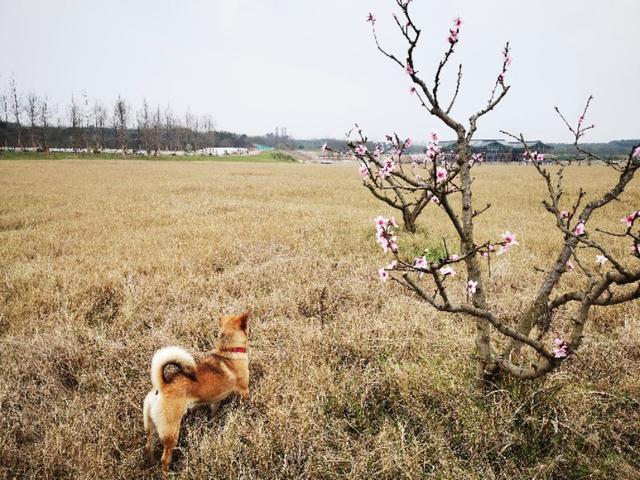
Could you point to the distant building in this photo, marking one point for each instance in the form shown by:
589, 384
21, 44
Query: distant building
499, 150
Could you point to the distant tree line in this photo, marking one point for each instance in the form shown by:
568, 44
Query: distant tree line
29, 120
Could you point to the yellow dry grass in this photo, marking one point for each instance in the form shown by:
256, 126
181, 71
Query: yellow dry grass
103, 262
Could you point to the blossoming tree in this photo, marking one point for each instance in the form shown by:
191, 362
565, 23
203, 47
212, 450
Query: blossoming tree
411, 182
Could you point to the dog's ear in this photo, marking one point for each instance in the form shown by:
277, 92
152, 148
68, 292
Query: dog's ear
243, 319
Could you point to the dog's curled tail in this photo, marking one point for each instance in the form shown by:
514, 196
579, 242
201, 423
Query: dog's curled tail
171, 356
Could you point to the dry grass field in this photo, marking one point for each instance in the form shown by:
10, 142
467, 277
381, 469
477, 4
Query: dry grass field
102, 262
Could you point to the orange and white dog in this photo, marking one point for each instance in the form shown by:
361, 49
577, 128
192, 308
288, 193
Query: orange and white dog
220, 373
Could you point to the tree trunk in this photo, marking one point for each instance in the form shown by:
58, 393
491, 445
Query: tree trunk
409, 220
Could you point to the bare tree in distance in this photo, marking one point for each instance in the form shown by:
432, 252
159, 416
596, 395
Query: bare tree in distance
16, 109
448, 181
156, 130
4, 105
120, 120
32, 108
85, 124
44, 124
144, 126
100, 121
169, 128
75, 123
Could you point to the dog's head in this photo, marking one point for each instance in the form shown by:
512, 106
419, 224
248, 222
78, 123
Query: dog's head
233, 330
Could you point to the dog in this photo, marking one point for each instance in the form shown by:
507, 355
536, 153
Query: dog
220, 373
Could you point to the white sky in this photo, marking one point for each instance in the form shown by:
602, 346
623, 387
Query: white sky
312, 66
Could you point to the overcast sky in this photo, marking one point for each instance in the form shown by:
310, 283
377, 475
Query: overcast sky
312, 66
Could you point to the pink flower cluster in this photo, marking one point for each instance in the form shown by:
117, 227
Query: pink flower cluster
629, 219
384, 233
389, 166
560, 350
421, 264
509, 240
472, 287
601, 259
533, 156
441, 174
383, 273
363, 171
407, 143
447, 270
579, 230
636, 152
433, 150
476, 158
361, 149
505, 64
455, 31
371, 18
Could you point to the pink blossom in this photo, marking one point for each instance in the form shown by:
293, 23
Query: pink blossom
383, 274
601, 259
501, 79
457, 21
435, 200
324, 147
472, 287
560, 350
538, 157
564, 214
408, 142
379, 150
361, 149
409, 69
636, 152
569, 266
421, 264
363, 170
476, 157
453, 36
441, 174
579, 229
371, 18
434, 136
509, 239
447, 270
389, 166
630, 218
384, 233
412, 89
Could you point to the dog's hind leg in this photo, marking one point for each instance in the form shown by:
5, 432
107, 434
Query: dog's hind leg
169, 427
148, 428
169, 443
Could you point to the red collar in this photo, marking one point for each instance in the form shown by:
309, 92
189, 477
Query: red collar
235, 350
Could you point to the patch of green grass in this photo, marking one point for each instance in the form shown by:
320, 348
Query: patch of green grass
263, 157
